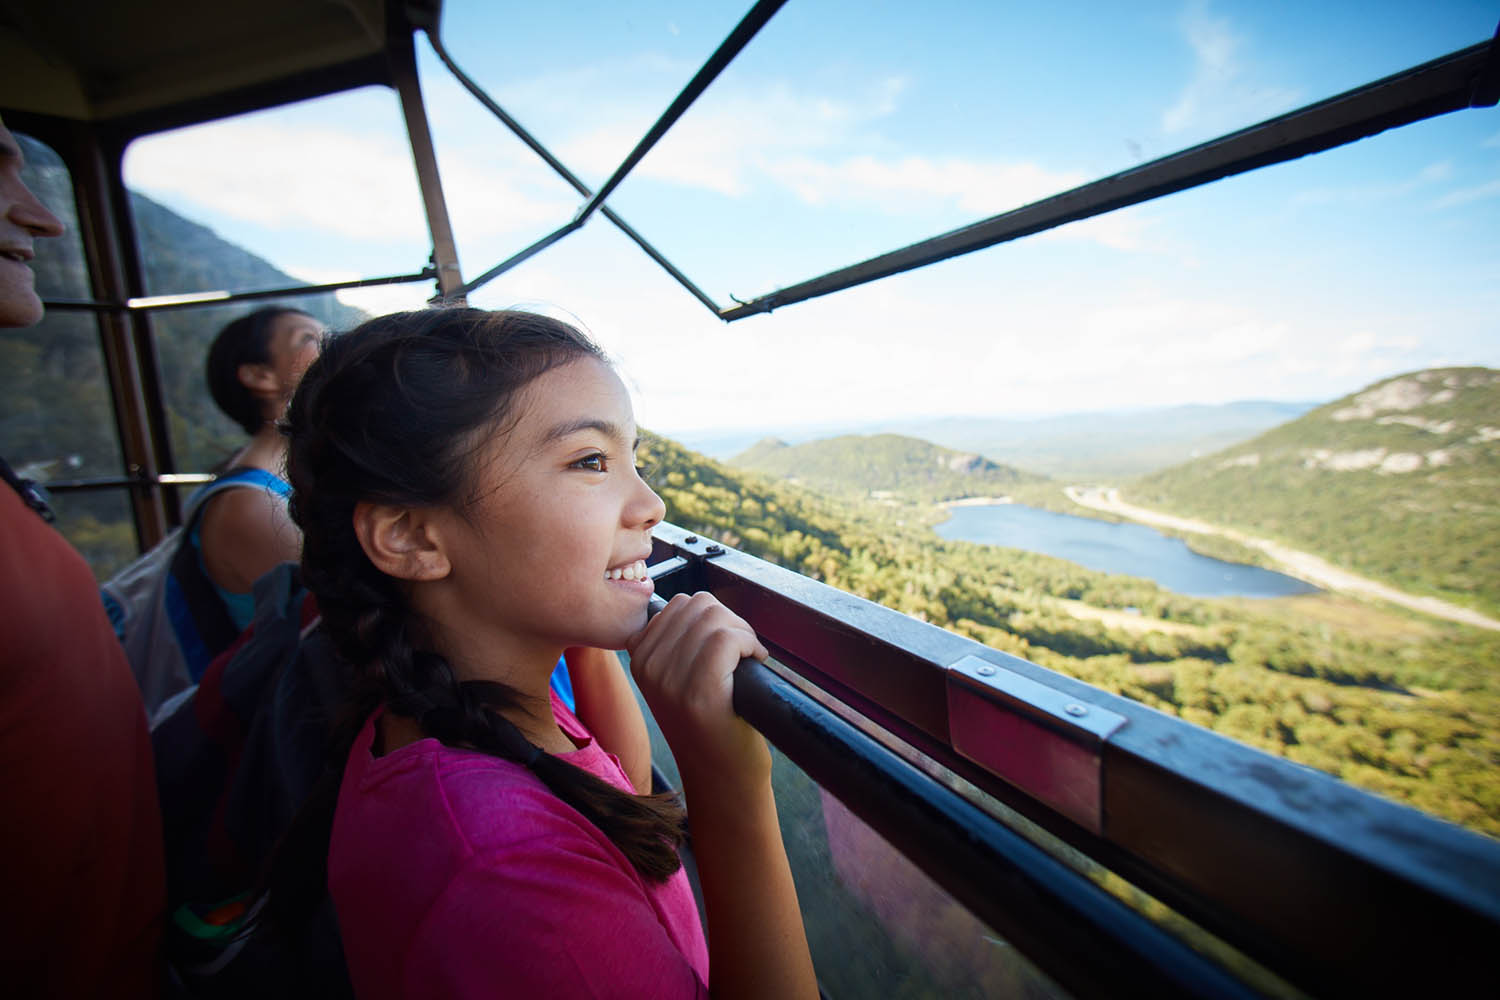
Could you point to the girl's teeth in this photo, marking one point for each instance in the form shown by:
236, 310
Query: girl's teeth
635, 571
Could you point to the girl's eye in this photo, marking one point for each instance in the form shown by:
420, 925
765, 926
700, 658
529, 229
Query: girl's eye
594, 463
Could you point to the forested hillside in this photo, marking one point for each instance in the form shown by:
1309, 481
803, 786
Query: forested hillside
1405, 707
882, 465
1400, 482
56, 417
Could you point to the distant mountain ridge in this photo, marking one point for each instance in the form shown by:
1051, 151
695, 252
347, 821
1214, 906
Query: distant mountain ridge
882, 466
1080, 447
1400, 481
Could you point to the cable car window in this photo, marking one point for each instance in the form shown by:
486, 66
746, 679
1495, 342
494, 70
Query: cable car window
316, 192
307, 193
56, 419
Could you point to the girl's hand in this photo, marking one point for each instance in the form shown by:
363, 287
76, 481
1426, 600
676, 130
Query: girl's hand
683, 661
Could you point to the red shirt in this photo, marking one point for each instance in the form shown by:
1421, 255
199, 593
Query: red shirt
80, 828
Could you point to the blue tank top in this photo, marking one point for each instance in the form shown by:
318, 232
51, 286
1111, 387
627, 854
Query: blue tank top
241, 607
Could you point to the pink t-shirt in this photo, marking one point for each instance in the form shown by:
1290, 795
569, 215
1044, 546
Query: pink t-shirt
457, 874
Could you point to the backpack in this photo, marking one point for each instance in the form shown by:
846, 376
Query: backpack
164, 608
237, 755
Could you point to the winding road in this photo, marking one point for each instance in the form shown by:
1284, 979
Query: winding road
1293, 562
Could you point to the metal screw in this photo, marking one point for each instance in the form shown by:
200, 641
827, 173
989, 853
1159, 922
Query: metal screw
1076, 709
985, 671
690, 540
715, 550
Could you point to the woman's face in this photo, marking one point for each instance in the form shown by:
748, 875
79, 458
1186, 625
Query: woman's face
551, 550
295, 343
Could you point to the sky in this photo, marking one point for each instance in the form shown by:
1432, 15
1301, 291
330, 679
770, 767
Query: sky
844, 131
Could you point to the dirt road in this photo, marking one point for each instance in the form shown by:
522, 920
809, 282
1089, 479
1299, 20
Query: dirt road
1302, 565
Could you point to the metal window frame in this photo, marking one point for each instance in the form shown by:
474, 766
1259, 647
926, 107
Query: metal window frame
1468, 78
94, 152
1332, 888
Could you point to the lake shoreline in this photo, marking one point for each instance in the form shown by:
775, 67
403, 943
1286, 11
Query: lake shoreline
1296, 563
1118, 548
975, 502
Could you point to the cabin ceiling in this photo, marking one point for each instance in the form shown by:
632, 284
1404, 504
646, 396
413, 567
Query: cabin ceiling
96, 60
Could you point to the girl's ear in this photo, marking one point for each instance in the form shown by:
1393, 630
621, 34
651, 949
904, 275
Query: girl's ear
400, 541
259, 379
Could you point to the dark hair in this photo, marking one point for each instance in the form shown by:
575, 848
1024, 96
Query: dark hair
246, 341
391, 412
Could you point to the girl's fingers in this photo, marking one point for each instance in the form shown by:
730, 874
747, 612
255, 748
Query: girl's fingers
684, 662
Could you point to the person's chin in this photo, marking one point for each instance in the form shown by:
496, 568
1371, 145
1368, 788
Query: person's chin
20, 311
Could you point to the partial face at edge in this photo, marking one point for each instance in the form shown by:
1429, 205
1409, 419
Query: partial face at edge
23, 219
296, 342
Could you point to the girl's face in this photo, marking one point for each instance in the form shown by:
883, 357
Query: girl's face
551, 551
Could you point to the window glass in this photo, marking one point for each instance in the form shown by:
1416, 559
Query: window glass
56, 415
314, 192
307, 193
877, 925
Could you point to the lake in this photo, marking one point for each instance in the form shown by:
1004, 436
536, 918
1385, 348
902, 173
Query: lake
1116, 548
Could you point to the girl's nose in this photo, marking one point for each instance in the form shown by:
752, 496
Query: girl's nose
649, 508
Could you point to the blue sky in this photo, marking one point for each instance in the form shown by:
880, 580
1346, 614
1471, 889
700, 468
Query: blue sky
847, 130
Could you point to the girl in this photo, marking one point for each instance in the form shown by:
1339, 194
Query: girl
467, 494
253, 367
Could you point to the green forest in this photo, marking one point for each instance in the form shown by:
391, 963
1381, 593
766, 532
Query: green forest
1395, 703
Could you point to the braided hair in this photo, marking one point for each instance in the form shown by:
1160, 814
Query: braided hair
392, 413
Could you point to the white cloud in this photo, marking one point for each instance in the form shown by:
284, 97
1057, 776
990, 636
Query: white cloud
377, 300
263, 171
1123, 229
293, 176
978, 188
1221, 93
1463, 196
1433, 173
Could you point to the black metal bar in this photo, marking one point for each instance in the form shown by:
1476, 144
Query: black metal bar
1434, 88
189, 300
521, 257
1315, 879
749, 25
1084, 938
434, 38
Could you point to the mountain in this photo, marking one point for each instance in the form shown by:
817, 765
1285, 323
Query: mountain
856, 466
1400, 481
1079, 447
1108, 446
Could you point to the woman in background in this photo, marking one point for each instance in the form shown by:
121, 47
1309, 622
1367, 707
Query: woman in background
253, 368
